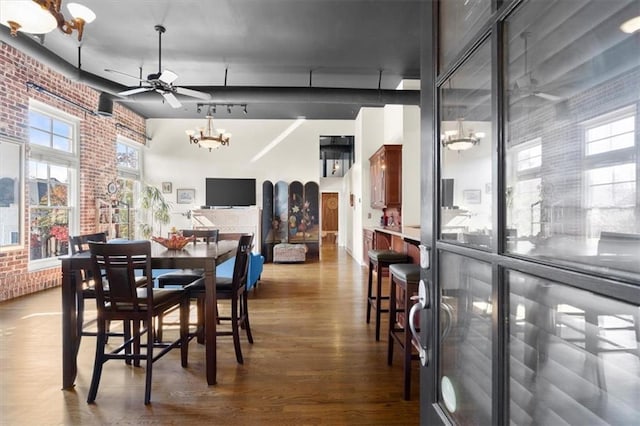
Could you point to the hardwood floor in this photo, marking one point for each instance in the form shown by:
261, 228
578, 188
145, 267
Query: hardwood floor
314, 361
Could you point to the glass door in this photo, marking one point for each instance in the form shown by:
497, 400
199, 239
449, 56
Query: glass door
535, 229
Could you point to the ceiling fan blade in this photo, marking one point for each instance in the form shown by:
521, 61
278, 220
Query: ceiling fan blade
171, 99
167, 77
123, 73
193, 93
134, 91
547, 96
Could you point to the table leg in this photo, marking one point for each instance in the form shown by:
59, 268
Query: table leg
210, 320
70, 337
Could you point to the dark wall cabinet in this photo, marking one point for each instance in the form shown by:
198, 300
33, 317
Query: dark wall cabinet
386, 177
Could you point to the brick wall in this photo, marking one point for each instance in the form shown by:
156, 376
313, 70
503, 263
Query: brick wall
97, 152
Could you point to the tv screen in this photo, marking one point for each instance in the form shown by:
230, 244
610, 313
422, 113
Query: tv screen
228, 192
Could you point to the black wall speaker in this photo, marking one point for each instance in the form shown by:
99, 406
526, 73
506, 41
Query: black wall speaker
105, 105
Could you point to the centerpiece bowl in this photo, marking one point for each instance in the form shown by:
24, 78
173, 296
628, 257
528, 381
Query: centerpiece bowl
175, 242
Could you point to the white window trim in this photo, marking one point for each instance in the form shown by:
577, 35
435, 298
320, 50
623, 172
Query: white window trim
126, 172
57, 157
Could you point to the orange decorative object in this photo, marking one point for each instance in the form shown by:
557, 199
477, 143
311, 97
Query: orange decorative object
175, 242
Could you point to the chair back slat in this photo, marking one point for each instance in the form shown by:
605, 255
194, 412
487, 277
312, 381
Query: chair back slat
120, 262
241, 267
79, 243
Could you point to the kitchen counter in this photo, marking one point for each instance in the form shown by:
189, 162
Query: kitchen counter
406, 232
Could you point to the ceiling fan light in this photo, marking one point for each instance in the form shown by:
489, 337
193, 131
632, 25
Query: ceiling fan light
631, 26
480, 135
80, 11
450, 132
460, 144
26, 16
220, 131
190, 132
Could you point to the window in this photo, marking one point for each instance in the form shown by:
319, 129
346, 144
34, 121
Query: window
529, 158
610, 179
611, 199
129, 166
51, 179
610, 136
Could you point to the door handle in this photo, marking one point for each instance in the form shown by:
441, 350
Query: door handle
422, 302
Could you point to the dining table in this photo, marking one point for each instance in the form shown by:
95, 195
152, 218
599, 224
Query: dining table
198, 255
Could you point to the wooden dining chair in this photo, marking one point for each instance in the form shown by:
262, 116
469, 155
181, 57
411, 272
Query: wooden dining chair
233, 289
86, 289
183, 277
126, 301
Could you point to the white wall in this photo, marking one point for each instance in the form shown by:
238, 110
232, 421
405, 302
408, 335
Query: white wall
170, 157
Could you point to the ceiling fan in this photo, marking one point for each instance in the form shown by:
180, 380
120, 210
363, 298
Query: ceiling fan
162, 81
527, 85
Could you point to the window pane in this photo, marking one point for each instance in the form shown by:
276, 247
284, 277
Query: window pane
62, 129
576, 91
459, 22
38, 137
466, 116
49, 233
573, 355
465, 327
61, 143
39, 121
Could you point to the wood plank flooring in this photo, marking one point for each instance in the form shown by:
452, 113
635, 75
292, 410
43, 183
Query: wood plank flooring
314, 361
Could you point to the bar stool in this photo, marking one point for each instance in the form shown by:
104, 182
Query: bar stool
404, 280
380, 259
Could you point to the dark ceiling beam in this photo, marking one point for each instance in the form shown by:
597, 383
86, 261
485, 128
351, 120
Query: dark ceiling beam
219, 94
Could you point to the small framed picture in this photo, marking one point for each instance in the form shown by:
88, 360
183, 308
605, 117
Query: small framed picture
186, 196
166, 188
471, 196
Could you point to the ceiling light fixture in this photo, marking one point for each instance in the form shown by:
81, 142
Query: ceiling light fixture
43, 16
208, 137
458, 140
631, 26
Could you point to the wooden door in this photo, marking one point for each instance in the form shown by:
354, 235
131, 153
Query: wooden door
330, 216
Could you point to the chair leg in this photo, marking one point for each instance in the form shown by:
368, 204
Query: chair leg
245, 315
235, 328
136, 341
369, 286
149, 367
127, 336
184, 331
392, 320
159, 328
98, 362
378, 300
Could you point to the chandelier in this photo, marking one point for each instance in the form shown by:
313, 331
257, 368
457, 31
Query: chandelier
208, 137
458, 140
43, 16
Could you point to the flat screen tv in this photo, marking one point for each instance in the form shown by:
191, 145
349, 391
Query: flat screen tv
229, 192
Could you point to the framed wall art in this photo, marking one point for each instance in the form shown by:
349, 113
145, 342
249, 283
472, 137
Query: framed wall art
186, 196
471, 196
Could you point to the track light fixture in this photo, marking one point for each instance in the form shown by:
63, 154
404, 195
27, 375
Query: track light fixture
213, 107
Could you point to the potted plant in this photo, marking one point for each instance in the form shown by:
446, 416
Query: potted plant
154, 211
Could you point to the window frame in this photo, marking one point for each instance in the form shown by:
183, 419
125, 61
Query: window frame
56, 157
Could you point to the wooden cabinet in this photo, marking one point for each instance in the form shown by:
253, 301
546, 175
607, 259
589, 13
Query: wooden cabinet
114, 219
386, 177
